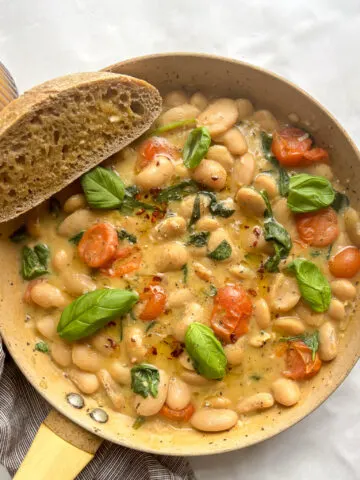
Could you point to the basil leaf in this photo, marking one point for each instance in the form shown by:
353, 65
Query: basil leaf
314, 287
34, 261
196, 147
198, 239
139, 421
185, 270
308, 193
145, 379
76, 238
221, 252
284, 179
130, 203
54, 207
196, 212
172, 126
340, 202
310, 339
274, 232
124, 235
19, 235
205, 351
178, 191
42, 347
93, 310
103, 188
218, 209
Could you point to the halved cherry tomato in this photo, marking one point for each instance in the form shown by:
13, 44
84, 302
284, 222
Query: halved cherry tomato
346, 263
316, 155
98, 245
154, 146
126, 260
154, 297
289, 145
300, 362
319, 228
183, 415
231, 312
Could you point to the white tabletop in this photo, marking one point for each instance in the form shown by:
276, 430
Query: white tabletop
315, 44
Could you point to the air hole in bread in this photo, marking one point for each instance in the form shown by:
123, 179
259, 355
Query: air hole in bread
137, 108
12, 193
110, 93
56, 136
20, 160
65, 149
124, 97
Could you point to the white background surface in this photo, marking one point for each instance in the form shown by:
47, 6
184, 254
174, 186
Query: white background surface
314, 43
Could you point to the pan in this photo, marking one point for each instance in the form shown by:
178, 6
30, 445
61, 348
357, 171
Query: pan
72, 433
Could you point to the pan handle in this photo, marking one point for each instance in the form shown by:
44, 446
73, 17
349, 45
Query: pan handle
60, 450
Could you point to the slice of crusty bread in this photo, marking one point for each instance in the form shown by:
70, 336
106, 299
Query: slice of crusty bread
57, 131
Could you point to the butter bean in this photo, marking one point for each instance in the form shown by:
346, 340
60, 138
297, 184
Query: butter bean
213, 419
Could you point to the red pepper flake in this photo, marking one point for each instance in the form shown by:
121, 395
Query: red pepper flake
255, 243
153, 351
110, 343
147, 216
112, 323
252, 292
257, 232
233, 338
156, 278
246, 227
140, 212
177, 352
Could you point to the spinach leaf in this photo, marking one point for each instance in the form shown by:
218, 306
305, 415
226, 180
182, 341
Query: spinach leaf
54, 207
19, 235
93, 310
218, 209
274, 232
130, 203
75, 240
308, 193
310, 339
185, 270
150, 325
221, 252
314, 287
196, 147
212, 292
199, 239
205, 351
328, 254
196, 212
124, 235
284, 179
139, 421
103, 188
315, 253
172, 126
340, 202
256, 377
145, 379
42, 347
34, 261
178, 191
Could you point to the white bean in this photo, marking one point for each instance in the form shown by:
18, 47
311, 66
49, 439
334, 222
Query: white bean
112, 389
61, 353
261, 313
207, 224
235, 351
245, 108
171, 256
216, 238
309, 316
255, 241
187, 205
179, 394
199, 101
266, 120
170, 227
213, 419
151, 406
75, 222
84, 357
103, 343
242, 271
178, 114
336, 309
250, 201
133, 337
320, 170
259, 340
33, 226
61, 260
244, 170
221, 154
283, 215
156, 174
175, 98
284, 293
266, 182
259, 401
47, 296
87, 383
211, 174
352, 225
75, 202
343, 289
327, 342
193, 313
217, 402
234, 141
186, 361
290, 325
219, 116
77, 283
194, 379
286, 392
119, 372
47, 327
178, 298
202, 272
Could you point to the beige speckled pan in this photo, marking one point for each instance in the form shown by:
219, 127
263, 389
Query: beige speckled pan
51, 456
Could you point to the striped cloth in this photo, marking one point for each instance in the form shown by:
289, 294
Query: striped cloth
22, 410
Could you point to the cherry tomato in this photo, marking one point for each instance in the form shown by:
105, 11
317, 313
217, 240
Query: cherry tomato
154, 146
154, 297
346, 263
316, 155
300, 362
289, 145
181, 415
319, 228
98, 245
126, 260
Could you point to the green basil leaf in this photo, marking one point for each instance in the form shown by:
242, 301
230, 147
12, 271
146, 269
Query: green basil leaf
185, 270
341, 201
199, 239
103, 188
310, 339
308, 193
205, 351
284, 179
196, 212
221, 252
178, 191
34, 261
130, 203
42, 347
196, 147
139, 421
19, 235
93, 310
172, 126
314, 287
145, 379
54, 207
76, 238
124, 235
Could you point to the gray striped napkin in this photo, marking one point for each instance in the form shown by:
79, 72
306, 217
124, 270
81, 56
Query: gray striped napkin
22, 410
